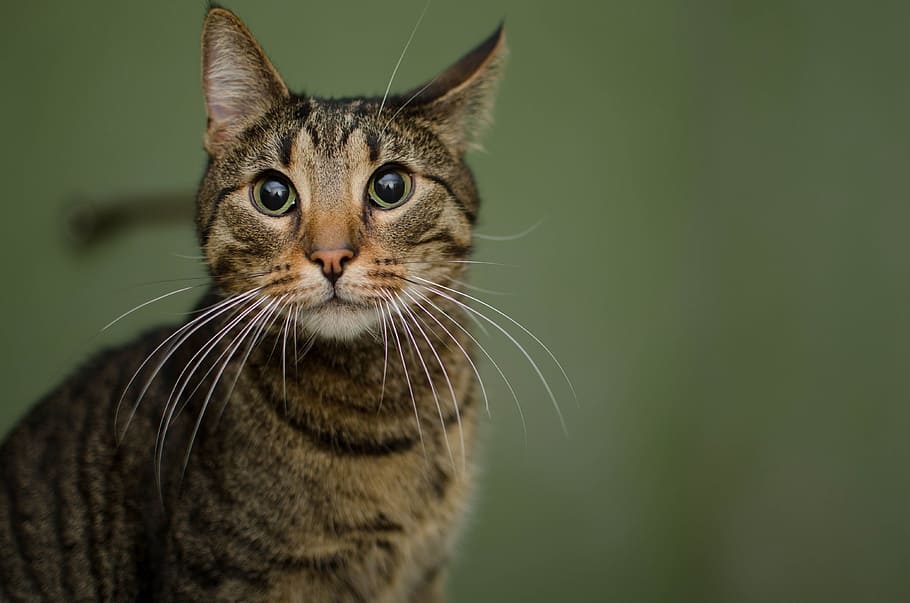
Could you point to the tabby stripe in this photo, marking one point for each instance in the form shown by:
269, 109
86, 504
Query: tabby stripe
443, 236
210, 577
380, 523
15, 521
439, 482
108, 516
452, 247
219, 199
470, 214
286, 147
83, 462
66, 573
266, 559
314, 134
343, 445
50, 474
373, 144
347, 131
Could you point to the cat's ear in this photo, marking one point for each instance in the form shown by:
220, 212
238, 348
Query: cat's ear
459, 101
239, 81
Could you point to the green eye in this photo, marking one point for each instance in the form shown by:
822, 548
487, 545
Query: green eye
390, 187
273, 195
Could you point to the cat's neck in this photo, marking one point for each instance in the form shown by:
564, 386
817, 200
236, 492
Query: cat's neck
372, 388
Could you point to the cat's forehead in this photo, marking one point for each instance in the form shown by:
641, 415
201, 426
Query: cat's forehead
330, 123
348, 132
333, 139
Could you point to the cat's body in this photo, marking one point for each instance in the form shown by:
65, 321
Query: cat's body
310, 430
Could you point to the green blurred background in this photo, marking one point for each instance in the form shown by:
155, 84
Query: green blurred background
722, 265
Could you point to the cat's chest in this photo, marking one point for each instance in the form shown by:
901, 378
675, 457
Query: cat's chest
317, 524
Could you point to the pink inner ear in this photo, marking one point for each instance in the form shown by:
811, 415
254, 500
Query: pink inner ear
219, 112
238, 79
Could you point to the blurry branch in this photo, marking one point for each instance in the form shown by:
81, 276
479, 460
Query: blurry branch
90, 222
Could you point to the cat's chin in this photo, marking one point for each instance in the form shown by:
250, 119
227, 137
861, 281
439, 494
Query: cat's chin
338, 321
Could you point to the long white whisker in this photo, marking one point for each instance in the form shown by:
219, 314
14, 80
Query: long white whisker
445, 374
486, 400
151, 301
183, 333
426, 371
513, 237
407, 377
514, 322
258, 322
284, 356
385, 357
475, 262
406, 103
296, 310
520, 347
475, 287
186, 374
170, 407
505, 379
401, 57
266, 323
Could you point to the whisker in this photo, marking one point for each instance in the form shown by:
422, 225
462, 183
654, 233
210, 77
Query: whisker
183, 333
521, 414
513, 237
307, 346
514, 322
259, 322
407, 378
202, 277
514, 341
170, 407
476, 288
476, 262
385, 357
406, 103
401, 58
467, 356
445, 374
284, 361
144, 304
296, 328
198, 258
426, 371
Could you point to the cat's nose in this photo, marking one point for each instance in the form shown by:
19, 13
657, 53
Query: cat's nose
332, 261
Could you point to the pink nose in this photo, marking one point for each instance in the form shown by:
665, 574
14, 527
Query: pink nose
332, 261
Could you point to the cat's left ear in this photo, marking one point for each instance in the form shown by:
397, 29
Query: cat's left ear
459, 101
239, 81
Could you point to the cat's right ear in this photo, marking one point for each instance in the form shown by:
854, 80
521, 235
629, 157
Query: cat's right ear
239, 81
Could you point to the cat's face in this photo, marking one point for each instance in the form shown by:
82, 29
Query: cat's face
332, 207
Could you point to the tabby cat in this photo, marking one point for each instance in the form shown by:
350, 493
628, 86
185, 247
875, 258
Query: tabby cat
307, 434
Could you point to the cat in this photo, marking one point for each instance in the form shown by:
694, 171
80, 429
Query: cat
308, 434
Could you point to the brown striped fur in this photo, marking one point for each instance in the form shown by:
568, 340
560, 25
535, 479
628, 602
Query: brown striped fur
323, 458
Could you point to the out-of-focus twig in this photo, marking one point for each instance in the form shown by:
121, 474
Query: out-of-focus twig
90, 222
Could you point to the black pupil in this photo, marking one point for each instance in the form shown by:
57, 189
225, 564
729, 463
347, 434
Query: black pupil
389, 187
273, 194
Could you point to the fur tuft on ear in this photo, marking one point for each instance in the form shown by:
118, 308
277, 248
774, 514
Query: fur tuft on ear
459, 101
239, 81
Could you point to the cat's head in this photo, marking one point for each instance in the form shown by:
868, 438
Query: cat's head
336, 207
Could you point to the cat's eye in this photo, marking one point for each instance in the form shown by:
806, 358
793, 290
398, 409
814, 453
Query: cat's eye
390, 186
273, 195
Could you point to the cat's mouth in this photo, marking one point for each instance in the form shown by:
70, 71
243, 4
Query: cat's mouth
337, 317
